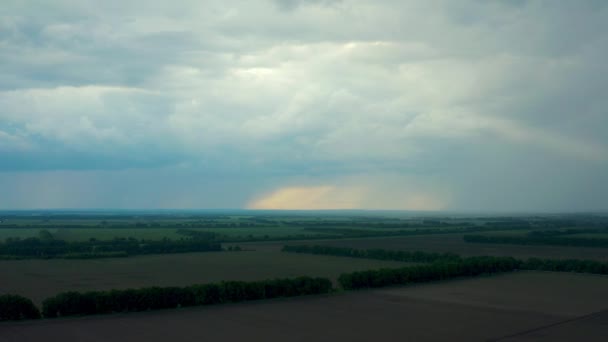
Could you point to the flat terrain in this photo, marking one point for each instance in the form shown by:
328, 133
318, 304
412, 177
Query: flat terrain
521, 306
84, 234
40, 279
454, 243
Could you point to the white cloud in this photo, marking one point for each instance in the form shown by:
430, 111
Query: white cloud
325, 87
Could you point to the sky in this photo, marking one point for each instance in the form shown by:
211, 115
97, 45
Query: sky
444, 105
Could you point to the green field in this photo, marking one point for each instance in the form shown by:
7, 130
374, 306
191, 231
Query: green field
155, 226
39, 278
84, 234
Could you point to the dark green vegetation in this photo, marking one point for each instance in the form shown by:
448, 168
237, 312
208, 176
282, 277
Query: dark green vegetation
555, 265
154, 298
528, 306
378, 250
469, 267
441, 267
454, 243
546, 237
14, 308
238, 226
444, 266
16, 248
378, 254
39, 279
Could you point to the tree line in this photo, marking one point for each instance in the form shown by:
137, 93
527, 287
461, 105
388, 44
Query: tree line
532, 264
379, 254
52, 248
562, 232
539, 239
440, 270
154, 298
468, 267
74, 303
451, 229
440, 267
14, 308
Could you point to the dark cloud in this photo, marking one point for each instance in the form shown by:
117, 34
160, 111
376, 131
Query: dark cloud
465, 105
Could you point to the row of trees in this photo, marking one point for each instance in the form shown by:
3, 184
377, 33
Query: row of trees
565, 265
556, 265
451, 229
51, 248
425, 273
154, 298
467, 267
562, 232
380, 254
538, 239
14, 308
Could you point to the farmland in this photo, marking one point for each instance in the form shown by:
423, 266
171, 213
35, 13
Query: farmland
514, 307
454, 243
39, 279
248, 247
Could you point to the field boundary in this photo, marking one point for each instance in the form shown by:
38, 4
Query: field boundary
552, 325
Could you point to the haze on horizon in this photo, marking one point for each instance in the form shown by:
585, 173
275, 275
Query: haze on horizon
304, 104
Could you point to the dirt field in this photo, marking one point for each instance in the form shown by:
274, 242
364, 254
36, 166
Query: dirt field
39, 279
522, 306
454, 243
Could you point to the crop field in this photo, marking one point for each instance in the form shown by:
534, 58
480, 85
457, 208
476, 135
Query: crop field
455, 244
40, 279
521, 306
66, 252
84, 234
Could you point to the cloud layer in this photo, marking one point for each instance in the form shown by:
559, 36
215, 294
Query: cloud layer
493, 105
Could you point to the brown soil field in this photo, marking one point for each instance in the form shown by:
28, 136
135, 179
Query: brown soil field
520, 306
593, 327
451, 243
40, 279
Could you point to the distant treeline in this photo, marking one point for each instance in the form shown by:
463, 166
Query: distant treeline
324, 233
407, 232
14, 248
565, 265
562, 232
533, 264
473, 266
197, 234
543, 238
379, 254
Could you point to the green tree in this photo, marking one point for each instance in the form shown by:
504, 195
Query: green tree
14, 307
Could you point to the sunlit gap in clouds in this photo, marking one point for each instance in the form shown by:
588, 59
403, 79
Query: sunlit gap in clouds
327, 197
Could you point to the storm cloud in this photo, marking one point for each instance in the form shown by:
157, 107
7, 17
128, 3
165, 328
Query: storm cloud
436, 105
